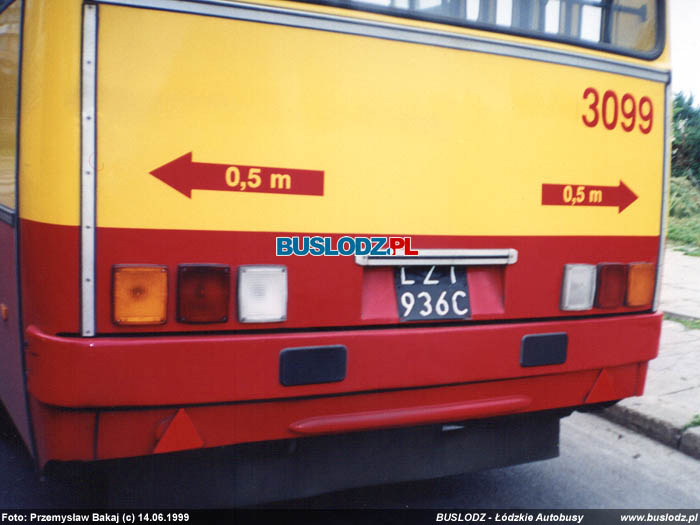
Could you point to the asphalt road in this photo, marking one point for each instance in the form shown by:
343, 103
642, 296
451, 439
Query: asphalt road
601, 465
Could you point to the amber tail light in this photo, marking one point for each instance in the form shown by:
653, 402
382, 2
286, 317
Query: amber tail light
139, 294
641, 278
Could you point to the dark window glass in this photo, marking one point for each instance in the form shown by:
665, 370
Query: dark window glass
628, 25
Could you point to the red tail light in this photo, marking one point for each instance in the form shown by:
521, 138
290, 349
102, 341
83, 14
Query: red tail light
203, 293
612, 284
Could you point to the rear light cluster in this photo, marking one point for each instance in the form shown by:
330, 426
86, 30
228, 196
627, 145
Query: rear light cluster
608, 285
140, 294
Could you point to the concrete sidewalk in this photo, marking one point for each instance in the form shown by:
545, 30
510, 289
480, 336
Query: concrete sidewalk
680, 285
672, 395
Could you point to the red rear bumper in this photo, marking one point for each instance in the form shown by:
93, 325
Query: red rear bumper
123, 392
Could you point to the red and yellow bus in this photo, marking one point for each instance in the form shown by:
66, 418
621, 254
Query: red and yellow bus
156, 154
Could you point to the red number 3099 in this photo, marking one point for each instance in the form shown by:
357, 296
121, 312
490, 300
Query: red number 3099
611, 110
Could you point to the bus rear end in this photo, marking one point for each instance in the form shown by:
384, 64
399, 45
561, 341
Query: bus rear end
386, 242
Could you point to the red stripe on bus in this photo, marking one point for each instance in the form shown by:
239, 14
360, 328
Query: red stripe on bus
334, 291
323, 291
50, 264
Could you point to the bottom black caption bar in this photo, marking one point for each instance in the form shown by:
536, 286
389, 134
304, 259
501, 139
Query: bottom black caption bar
384, 517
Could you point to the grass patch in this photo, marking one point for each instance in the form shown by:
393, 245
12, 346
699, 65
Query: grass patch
695, 422
689, 324
684, 211
684, 197
684, 232
685, 249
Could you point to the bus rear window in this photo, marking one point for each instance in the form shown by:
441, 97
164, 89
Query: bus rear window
626, 26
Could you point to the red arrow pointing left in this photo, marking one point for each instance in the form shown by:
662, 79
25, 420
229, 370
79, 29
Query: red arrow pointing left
184, 175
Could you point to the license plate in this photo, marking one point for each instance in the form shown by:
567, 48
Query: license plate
432, 292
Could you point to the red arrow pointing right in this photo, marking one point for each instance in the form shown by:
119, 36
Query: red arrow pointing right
619, 196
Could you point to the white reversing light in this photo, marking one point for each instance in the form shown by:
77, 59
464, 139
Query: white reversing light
262, 294
578, 289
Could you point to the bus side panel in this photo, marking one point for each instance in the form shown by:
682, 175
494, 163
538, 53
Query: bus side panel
12, 387
45, 194
49, 184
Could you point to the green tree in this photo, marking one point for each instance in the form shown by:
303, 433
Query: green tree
685, 151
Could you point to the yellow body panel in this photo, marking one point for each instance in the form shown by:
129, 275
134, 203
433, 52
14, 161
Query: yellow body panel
413, 138
50, 112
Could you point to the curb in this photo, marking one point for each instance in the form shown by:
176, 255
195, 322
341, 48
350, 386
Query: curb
669, 431
690, 442
675, 316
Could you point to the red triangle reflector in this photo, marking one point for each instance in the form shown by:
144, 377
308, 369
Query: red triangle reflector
603, 389
180, 435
